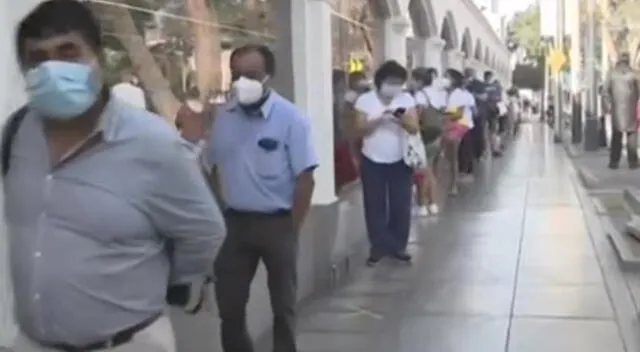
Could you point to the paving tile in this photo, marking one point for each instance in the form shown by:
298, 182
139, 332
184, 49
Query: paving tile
353, 321
564, 335
552, 273
452, 334
579, 243
488, 269
557, 220
568, 301
333, 342
462, 299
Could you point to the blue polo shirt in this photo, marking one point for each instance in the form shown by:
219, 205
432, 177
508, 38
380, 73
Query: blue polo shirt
259, 155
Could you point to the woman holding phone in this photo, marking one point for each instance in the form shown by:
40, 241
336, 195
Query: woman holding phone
384, 116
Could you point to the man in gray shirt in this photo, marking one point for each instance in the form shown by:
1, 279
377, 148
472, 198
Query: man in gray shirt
106, 207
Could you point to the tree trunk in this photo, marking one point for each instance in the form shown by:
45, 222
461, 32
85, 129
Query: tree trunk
207, 47
253, 21
144, 65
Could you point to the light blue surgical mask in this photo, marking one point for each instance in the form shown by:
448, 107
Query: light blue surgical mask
61, 90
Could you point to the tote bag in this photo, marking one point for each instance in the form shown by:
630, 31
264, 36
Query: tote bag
413, 151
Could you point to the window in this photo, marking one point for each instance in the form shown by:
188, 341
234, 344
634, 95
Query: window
353, 45
179, 50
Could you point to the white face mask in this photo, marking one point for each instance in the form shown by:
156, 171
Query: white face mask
248, 91
445, 82
390, 90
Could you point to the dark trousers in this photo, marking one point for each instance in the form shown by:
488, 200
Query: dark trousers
479, 138
466, 153
386, 189
616, 147
252, 237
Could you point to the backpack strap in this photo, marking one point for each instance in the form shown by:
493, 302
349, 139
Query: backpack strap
8, 135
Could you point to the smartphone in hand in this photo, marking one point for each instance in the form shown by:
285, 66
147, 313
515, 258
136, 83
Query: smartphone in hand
399, 112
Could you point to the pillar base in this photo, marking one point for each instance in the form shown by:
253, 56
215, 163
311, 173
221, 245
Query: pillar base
592, 133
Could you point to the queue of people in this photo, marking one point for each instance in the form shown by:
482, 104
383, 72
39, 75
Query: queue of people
113, 215
459, 119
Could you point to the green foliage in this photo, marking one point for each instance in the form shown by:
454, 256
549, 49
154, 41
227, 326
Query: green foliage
525, 27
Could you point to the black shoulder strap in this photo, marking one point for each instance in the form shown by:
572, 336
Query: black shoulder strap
8, 134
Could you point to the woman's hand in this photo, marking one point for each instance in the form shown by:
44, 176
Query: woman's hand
409, 121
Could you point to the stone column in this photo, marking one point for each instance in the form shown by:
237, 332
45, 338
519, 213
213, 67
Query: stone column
416, 48
395, 31
433, 53
311, 52
455, 59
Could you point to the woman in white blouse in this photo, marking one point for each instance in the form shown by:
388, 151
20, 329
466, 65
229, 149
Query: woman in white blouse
384, 116
428, 92
460, 103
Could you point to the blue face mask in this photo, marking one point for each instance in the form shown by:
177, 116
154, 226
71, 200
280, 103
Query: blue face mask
61, 90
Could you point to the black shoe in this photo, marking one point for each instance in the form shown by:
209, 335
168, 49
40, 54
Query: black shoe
373, 260
613, 166
402, 256
634, 165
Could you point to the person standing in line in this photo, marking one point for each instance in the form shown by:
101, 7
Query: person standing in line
429, 99
263, 161
108, 213
621, 92
346, 89
385, 115
460, 106
471, 147
495, 120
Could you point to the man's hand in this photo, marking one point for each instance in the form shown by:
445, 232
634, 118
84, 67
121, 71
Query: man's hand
194, 126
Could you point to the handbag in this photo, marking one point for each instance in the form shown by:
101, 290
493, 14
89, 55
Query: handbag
432, 121
413, 151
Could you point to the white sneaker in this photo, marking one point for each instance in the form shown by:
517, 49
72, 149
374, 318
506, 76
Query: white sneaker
421, 211
434, 209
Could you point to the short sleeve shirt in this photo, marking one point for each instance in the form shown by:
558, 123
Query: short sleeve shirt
461, 98
384, 145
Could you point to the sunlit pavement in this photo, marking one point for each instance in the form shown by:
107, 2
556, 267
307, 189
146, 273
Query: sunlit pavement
509, 266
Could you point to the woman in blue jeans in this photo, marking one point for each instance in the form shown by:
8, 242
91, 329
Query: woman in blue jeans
384, 116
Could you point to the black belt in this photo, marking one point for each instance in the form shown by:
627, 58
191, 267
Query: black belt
120, 338
275, 213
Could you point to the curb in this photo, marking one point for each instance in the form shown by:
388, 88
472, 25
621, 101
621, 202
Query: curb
623, 241
587, 178
631, 198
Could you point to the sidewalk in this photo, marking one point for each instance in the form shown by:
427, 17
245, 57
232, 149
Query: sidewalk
518, 264
595, 173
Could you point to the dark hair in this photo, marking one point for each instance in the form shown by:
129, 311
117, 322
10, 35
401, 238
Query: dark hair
56, 17
432, 71
267, 55
487, 74
457, 79
423, 75
388, 69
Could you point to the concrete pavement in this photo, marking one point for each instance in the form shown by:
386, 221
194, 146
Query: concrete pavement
519, 264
